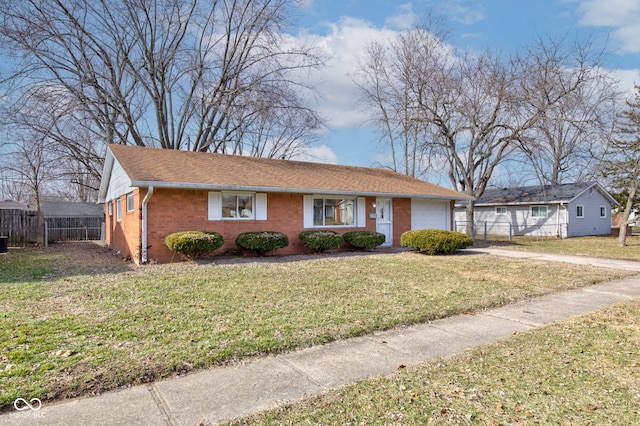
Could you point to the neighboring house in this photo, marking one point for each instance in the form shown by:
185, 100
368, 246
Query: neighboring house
150, 193
13, 205
71, 221
567, 210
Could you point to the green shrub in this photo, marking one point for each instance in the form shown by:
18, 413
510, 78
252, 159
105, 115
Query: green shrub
262, 242
194, 244
364, 239
319, 241
434, 241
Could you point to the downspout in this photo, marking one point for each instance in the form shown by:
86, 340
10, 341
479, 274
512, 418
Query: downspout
558, 231
145, 201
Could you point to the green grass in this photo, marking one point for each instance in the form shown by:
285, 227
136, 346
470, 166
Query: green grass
600, 246
583, 371
81, 322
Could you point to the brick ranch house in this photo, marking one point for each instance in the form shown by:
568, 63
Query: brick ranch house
149, 193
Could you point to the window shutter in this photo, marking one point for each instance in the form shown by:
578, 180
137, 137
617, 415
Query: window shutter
215, 206
362, 212
261, 206
308, 211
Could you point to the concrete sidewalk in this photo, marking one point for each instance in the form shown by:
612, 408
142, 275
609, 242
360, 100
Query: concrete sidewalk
219, 394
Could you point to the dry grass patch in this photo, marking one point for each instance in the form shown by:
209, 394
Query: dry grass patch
598, 246
67, 331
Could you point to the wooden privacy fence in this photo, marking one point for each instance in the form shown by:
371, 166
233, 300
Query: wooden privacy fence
22, 226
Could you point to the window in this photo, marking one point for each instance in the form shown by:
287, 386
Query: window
237, 206
538, 211
603, 211
130, 202
501, 210
334, 211
118, 209
579, 211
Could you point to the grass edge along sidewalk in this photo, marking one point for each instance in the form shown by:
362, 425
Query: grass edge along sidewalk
584, 370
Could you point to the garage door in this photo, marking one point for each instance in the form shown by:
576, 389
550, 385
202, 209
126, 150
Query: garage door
429, 214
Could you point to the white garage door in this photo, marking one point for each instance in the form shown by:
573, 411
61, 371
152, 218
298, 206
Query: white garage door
429, 214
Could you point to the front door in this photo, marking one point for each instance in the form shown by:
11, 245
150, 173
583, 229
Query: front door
384, 219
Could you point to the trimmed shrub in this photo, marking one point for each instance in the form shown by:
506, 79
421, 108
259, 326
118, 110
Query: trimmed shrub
321, 240
262, 242
194, 244
364, 239
433, 241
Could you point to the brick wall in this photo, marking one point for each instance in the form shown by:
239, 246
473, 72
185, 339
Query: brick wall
175, 210
124, 235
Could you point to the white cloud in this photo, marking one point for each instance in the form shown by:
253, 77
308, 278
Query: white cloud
464, 14
404, 19
317, 154
344, 44
622, 16
627, 80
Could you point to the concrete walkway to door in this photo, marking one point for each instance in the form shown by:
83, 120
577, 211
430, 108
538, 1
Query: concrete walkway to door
219, 394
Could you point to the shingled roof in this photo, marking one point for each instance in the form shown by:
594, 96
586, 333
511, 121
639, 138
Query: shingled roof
539, 194
195, 170
70, 209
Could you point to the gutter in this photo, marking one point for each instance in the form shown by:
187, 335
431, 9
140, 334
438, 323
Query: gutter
144, 255
248, 188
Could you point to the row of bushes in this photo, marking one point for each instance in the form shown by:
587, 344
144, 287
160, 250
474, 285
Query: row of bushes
195, 244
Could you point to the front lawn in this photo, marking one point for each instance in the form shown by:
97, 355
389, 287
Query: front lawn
583, 371
600, 246
79, 321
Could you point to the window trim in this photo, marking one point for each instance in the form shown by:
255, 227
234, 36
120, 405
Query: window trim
359, 211
603, 212
214, 205
546, 211
501, 213
118, 209
580, 211
130, 202
238, 194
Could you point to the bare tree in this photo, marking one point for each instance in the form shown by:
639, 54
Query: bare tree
386, 81
622, 165
169, 73
570, 138
473, 109
32, 165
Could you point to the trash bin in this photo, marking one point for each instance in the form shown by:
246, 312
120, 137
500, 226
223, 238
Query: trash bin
3, 244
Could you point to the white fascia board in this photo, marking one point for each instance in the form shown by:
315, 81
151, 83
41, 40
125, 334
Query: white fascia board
521, 203
273, 189
106, 177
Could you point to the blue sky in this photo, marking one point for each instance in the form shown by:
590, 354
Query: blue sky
343, 28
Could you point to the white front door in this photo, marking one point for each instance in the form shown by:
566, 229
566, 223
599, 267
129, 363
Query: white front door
384, 219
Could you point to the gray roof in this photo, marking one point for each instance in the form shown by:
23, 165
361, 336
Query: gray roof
71, 209
538, 194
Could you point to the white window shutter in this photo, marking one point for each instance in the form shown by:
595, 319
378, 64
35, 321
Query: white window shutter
261, 206
362, 212
308, 211
215, 206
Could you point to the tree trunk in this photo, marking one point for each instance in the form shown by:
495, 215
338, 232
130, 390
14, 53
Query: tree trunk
469, 218
622, 236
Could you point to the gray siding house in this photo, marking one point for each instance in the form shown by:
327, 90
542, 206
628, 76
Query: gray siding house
567, 210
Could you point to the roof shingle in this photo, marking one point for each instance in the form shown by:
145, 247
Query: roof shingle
164, 167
